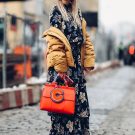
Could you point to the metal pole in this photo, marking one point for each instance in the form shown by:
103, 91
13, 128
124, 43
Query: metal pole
4, 58
39, 14
25, 77
39, 52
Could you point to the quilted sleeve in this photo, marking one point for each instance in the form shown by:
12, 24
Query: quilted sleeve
56, 56
89, 57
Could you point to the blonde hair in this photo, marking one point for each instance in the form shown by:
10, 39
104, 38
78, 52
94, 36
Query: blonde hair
74, 11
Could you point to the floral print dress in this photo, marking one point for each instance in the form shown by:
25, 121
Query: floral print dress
77, 124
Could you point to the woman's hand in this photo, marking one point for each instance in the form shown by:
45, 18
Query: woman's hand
88, 69
62, 74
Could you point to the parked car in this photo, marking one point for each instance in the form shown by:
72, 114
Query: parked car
129, 54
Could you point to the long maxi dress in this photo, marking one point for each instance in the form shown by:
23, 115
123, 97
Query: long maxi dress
77, 124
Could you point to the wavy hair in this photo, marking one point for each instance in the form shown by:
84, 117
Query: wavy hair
74, 11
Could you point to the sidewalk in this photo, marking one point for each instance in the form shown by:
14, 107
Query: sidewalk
121, 121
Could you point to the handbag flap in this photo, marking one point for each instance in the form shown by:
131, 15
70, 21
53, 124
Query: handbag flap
69, 92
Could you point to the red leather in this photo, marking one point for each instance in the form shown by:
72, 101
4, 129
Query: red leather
58, 99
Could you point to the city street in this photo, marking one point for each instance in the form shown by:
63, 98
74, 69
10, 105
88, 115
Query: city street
58, 35
111, 97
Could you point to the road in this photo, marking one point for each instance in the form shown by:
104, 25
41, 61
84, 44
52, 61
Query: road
111, 96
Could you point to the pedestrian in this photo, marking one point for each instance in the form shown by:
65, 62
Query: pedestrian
69, 52
120, 51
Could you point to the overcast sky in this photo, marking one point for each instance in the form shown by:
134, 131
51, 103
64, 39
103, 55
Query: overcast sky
113, 12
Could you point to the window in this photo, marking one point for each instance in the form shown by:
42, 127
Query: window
91, 18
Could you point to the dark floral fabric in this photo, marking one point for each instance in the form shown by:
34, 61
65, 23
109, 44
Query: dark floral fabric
67, 125
78, 124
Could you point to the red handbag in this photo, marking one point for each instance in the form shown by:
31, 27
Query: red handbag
57, 98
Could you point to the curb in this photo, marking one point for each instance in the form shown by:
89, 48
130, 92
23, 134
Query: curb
20, 97
104, 66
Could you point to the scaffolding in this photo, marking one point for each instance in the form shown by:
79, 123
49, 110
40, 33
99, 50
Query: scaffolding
27, 42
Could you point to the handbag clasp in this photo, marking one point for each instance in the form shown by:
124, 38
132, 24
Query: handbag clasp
57, 95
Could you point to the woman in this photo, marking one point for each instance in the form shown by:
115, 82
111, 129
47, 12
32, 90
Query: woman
70, 52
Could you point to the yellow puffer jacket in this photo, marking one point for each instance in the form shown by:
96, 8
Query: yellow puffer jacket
59, 53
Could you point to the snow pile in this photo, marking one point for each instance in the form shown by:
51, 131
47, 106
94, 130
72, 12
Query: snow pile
20, 87
37, 81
